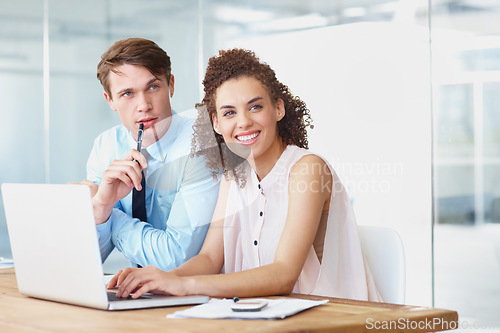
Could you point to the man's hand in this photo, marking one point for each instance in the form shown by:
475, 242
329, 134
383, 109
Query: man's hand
117, 181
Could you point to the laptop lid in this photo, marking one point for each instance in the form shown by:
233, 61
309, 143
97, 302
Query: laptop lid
55, 248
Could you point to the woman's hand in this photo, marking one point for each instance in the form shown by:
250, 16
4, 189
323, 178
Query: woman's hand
138, 281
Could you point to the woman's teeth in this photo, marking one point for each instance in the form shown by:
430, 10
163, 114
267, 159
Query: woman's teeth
247, 137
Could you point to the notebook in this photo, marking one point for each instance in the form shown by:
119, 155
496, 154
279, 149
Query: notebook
55, 248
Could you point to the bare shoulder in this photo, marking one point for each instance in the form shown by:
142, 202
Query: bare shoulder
310, 175
310, 178
310, 166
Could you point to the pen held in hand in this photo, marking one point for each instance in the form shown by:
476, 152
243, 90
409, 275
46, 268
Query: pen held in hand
140, 134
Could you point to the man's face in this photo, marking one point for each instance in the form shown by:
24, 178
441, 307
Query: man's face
140, 97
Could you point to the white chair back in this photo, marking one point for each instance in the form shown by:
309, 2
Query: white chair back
384, 253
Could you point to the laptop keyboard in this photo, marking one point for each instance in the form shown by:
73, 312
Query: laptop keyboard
112, 297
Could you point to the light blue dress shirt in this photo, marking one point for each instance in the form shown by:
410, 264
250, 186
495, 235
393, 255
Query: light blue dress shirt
180, 198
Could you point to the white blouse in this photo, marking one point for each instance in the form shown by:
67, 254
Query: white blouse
254, 220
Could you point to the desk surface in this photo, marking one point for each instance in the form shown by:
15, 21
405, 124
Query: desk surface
19, 313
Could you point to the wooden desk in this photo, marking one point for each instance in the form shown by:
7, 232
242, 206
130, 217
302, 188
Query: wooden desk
19, 313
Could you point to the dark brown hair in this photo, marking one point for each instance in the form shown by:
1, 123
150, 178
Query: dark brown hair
133, 51
232, 64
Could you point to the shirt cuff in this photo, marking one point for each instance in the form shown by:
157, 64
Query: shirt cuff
104, 238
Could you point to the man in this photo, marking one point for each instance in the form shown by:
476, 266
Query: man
180, 193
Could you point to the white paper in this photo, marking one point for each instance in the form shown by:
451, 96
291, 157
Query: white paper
221, 309
6, 263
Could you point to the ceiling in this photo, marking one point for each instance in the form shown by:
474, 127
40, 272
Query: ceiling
127, 14
22, 21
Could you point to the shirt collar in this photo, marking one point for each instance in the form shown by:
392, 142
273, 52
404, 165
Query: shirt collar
279, 168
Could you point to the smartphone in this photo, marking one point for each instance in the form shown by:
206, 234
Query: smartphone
250, 305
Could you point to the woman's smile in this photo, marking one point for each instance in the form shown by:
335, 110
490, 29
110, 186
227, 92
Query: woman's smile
248, 138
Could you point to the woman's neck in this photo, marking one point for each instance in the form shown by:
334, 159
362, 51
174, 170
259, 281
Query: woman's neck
265, 163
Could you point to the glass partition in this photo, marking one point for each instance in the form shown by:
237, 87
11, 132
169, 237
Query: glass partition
363, 69
22, 112
78, 110
466, 86
414, 138
57, 107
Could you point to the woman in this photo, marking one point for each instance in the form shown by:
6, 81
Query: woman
283, 221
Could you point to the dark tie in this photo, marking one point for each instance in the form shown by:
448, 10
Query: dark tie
139, 201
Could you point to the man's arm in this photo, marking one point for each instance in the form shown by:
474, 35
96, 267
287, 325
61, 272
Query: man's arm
99, 165
188, 220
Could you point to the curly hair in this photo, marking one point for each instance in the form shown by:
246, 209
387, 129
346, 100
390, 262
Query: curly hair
233, 64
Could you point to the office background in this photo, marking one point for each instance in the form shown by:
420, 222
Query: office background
405, 98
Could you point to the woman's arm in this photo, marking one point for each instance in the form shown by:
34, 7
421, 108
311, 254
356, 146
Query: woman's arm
209, 260
309, 193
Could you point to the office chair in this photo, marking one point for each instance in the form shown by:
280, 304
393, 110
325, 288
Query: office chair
384, 253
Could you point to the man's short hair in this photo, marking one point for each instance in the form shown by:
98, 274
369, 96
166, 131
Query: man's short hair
133, 51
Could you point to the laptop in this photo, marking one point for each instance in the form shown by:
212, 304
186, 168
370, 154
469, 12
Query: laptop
56, 252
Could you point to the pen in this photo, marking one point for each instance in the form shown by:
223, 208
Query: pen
139, 136
140, 133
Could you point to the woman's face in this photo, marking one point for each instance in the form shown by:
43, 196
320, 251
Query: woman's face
246, 117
